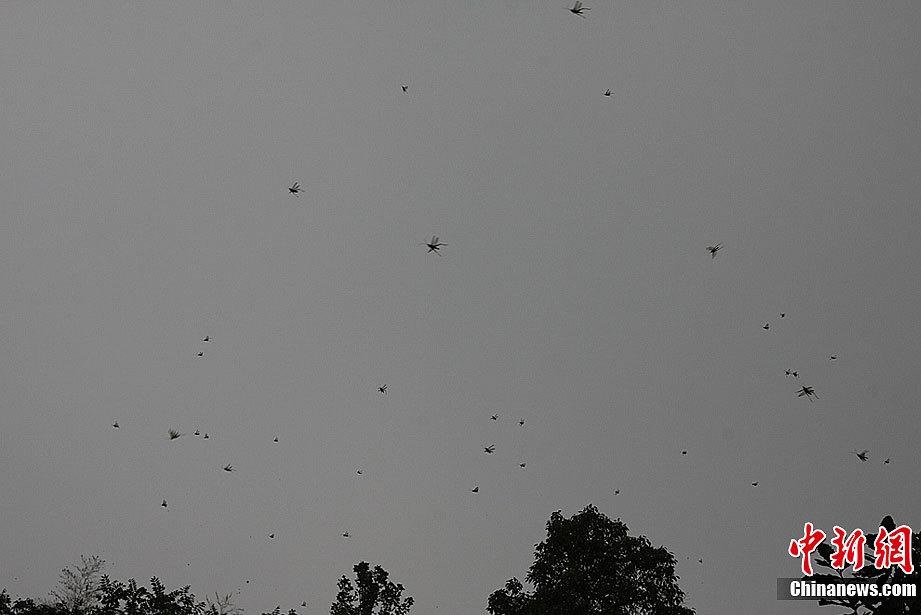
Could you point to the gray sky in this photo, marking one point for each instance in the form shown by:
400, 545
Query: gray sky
145, 159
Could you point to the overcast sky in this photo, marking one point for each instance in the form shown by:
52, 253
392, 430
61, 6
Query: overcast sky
146, 151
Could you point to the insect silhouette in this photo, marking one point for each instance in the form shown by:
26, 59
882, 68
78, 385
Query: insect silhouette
489, 450
521, 423
617, 492
766, 326
272, 536
684, 452
755, 484
382, 389
205, 437
796, 374
173, 434
197, 433
358, 471
201, 354
228, 468
888, 459
345, 534
578, 9
808, 392
494, 417
207, 338
714, 249
295, 189
783, 314
405, 87
522, 464
275, 440
475, 489
608, 92
435, 245
862, 455
832, 357
163, 504
115, 425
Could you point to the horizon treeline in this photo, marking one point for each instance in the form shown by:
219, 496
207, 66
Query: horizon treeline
587, 565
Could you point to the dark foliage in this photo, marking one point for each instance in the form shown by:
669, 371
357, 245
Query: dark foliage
589, 565
117, 598
27, 606
372, 592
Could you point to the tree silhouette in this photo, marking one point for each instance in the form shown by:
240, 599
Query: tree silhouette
589, 565
371, 589
27, 606
869, 573
117, 598
223, 605
78, 586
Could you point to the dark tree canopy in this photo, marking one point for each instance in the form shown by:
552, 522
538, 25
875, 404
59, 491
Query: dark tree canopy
372, 593
589, 565
99, 595
119, 598
116, 598
872, 605
27, 606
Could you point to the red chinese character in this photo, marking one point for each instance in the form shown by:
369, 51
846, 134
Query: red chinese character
894, 548
805, 546
848, 551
